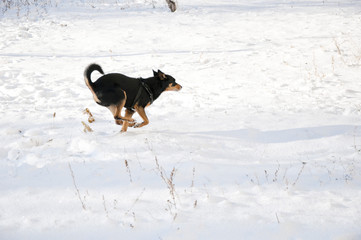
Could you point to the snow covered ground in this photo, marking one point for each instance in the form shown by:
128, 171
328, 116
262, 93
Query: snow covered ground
262, 142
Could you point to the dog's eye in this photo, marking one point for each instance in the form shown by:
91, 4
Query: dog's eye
173, 84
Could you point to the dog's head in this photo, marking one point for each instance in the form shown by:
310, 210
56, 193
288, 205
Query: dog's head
167, 81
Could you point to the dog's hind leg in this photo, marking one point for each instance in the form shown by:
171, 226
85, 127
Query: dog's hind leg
117, 112
114, 109
128, 114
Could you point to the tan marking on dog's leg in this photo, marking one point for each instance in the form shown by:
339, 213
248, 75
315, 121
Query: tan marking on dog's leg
95, 97
113, 110
141, 112
128, 114
118, 110
118, 113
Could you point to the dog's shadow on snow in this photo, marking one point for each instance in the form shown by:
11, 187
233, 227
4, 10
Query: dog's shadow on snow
283, 136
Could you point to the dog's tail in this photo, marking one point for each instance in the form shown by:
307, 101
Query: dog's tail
88, 71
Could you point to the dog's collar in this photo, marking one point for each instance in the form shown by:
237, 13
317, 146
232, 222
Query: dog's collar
147, 88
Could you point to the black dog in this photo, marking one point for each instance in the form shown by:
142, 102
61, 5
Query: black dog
116, 91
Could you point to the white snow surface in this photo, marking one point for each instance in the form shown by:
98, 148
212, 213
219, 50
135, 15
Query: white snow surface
262, 142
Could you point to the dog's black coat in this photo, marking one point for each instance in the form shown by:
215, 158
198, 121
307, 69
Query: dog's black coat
111, 90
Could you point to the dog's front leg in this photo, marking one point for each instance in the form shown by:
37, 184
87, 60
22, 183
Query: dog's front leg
141, 112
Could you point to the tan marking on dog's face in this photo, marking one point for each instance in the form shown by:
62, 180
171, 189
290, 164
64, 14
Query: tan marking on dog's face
176, 87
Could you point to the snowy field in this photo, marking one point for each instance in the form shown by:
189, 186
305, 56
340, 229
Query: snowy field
262, 142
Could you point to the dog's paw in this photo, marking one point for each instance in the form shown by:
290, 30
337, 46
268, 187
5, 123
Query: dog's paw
131, 124
119, 122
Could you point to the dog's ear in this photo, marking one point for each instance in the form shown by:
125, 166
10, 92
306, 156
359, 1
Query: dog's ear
155, 73
161, 75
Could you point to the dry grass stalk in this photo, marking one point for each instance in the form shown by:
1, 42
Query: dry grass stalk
86, 127
76, 187
169, 182
339, 51
134, 203
194, 171
299, 173
105, 207
172, 5
128, 170
278, 220
90, 118
275, 179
